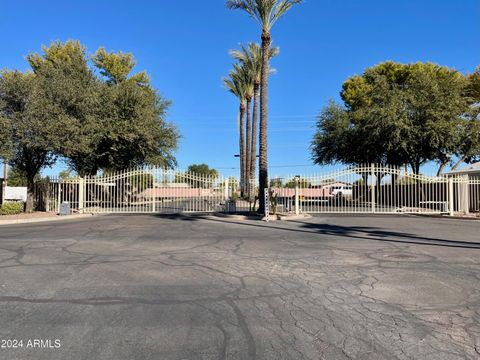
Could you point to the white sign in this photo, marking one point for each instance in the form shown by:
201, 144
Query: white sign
15, 193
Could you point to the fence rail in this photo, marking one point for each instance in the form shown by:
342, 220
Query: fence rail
361, 189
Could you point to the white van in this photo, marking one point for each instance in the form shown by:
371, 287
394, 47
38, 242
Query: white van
341, 191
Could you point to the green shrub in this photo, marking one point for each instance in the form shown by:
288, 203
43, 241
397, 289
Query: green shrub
11, 208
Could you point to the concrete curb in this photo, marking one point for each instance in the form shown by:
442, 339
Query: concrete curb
278, 217
44, 219
237, 217
291, 217
446, 217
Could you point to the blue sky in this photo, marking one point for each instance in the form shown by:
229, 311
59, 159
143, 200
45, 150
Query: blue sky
184, 47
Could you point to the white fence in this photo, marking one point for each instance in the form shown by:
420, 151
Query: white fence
361, 189
375, 189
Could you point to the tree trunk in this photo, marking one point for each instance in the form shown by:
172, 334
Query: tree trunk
458, 163
242, 150
29, 205
263, 162
442, 167
415, 164
248, 148
418, 185
253, 146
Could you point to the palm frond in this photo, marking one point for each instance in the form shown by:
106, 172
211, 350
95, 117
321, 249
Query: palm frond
245, 77
251, 58
249, 6
265, 12
235, 83
281, 8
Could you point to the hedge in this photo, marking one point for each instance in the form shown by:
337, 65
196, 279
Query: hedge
12, 208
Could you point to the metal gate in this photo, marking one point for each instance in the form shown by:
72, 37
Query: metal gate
375, 189
361, 189
146, 190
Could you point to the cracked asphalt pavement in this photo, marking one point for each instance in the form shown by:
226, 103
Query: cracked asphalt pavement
199, 287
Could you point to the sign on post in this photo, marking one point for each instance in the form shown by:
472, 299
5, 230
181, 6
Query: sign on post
267, 206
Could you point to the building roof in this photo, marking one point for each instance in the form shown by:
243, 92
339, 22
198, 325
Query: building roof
469, 169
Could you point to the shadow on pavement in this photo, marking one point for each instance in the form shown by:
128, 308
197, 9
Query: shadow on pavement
353, 232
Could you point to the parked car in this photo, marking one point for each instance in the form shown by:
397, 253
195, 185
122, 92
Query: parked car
341, 191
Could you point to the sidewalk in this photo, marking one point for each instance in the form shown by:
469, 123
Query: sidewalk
38, 217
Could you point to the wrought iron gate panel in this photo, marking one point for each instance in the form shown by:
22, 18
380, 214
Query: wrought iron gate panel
154, 190
363, 189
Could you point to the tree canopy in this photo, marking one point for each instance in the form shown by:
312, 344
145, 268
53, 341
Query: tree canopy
202, 170
111, 122
265, 12
397, 114
31, 133
197, 176
63, 108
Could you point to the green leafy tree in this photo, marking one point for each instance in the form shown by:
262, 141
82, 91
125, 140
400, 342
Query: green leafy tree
141, 181
62, 108
117, 67
31, 131
468, 129
276, 182
5, 136
334, 140
302, 183
135, 130
109, 123
65, 174
467, 138
203, 170
16, 177
197, 176
474, 85
394, 114
74, 96
266, 13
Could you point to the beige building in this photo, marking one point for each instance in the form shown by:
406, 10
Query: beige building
472, 170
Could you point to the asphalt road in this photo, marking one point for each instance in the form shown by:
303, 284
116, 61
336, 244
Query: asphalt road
151, 287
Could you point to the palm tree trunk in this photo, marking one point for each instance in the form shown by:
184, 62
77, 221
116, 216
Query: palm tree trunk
242, 150
263, 163
248, 148
253, 146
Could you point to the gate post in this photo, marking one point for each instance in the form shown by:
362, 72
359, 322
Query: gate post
46, 195
267, 206
81, 195
297, 195
465, 194
59, 194
450, 197
226, 190
154, 192
373, 187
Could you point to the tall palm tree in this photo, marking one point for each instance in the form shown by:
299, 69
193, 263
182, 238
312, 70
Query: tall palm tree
266, 13
251, 57
248, 80
235, 83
